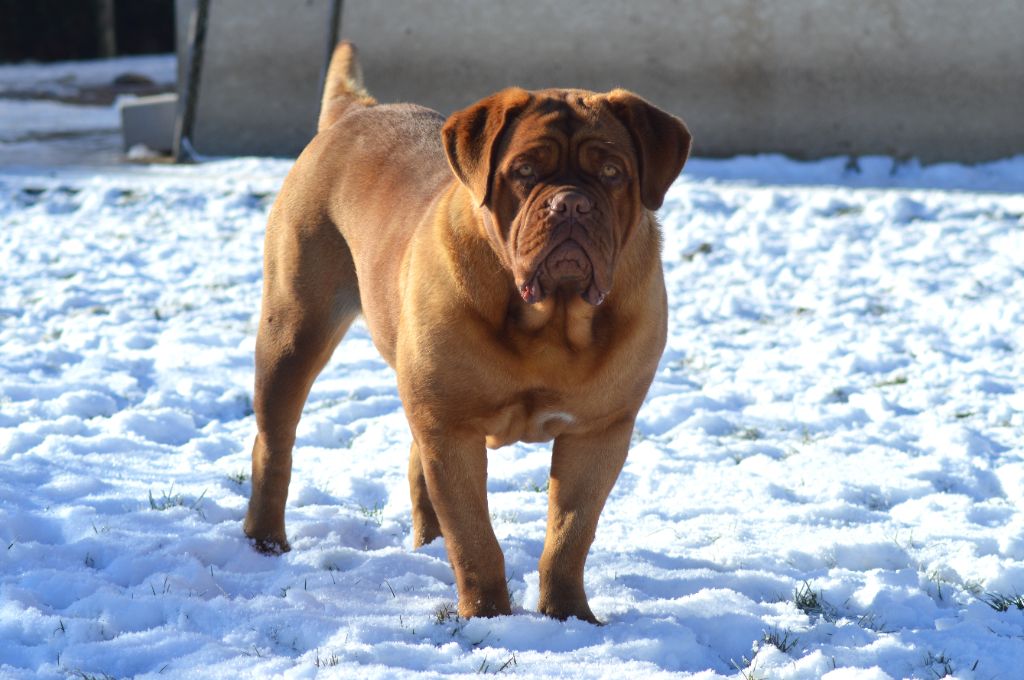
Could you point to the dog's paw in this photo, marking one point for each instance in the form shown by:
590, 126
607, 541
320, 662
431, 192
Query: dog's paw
268, 546
484, 601
567, 609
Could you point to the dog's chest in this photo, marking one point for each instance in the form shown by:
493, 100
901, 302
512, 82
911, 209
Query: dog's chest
567, 322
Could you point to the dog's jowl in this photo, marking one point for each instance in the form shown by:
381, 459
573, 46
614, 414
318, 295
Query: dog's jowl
507, 263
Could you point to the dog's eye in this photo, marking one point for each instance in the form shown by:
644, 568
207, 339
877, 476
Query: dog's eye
525, 170
609, 171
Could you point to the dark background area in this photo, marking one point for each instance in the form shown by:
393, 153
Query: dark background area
53, 30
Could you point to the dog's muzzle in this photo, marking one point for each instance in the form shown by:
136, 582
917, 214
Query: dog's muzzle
570, 259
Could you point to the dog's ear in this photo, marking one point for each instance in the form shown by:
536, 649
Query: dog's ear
471, 137
662, 143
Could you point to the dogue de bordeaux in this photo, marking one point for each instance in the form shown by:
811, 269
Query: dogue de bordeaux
507, 263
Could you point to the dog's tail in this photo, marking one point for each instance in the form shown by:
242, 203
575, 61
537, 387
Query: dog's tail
343, 85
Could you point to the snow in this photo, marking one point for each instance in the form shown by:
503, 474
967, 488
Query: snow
826, 479
38, 128
65, 78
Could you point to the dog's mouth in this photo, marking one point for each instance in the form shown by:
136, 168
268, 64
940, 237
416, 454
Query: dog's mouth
568, 267
562, 244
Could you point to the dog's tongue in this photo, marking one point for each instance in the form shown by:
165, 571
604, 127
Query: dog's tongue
531, 292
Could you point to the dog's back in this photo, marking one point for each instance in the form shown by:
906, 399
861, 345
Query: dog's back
365, 159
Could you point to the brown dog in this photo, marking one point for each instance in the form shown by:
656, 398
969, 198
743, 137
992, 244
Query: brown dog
508, 266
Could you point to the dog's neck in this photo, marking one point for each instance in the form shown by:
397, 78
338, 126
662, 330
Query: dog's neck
566, 317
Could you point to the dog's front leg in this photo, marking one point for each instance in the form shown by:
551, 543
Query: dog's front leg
583, 471
455, 470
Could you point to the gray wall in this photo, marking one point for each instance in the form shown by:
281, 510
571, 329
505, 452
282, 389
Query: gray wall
935, 79
259, 91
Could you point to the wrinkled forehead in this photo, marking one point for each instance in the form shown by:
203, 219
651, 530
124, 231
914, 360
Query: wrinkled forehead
568, 117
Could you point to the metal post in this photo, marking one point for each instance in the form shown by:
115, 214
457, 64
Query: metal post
183, 151
105, 28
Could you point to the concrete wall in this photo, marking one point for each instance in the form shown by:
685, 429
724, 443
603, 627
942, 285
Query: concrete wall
935, 79
262, 64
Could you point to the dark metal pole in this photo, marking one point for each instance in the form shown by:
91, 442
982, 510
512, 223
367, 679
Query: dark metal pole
189, 95
105, 28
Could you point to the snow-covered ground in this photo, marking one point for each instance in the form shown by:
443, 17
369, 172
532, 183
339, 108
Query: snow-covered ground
827, 478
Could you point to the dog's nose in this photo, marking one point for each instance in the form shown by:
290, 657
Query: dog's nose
570, 203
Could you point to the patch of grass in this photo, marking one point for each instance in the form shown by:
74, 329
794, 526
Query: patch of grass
703, 249
445, 612
486, 669
1001, 602
257, 200
940, 665
813, 603
876, 502
82, 675
123, 197
166, 588
750, 434
782, 640
325, 661
506, 516
839, 395
870, 621
247, 408
538, 488
960, 415
401, 624
897, 380
748, 671
373, 515
168, 499
239, 478
974, 586
905, 543
937, 578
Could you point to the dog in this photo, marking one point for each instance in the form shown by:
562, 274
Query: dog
507, 263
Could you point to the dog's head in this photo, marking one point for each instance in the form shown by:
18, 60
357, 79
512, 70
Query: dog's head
564, 177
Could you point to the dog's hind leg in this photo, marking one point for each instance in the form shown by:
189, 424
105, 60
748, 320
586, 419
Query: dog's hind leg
310, 297
425, 525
